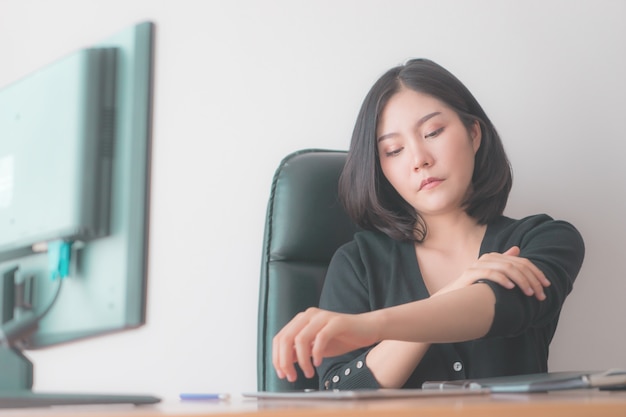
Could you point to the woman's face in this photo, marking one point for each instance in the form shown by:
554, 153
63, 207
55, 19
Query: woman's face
426, 152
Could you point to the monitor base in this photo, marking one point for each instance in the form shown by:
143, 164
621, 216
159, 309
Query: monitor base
30, 399
17, 370
16, 382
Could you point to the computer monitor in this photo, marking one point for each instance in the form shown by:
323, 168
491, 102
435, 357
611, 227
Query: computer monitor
74, 174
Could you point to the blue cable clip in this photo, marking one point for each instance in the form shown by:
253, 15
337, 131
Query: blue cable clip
59, 254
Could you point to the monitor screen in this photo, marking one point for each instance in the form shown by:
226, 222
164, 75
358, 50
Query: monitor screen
74, 168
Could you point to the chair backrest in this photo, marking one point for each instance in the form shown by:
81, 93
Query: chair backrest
305, 224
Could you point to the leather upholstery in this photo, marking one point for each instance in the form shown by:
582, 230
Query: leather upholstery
305, 224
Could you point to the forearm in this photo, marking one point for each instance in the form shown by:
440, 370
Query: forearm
460, 315
392, 362
463, 314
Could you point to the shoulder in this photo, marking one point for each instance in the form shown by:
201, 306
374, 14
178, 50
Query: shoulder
508, 224
370, 249
505, 227
370, 242
352, 270
539, 231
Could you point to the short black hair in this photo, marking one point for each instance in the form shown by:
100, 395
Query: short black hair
369, 198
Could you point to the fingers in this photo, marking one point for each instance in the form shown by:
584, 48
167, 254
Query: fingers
303, 345
283, 349
508, 270
512, 251
321, 340
530, 278
293, 344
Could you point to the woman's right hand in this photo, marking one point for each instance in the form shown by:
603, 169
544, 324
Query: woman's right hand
507, 269
315, 334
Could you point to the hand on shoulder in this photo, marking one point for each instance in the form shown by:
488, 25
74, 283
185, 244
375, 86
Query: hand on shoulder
507, 269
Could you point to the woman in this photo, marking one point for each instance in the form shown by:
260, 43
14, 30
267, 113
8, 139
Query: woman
440, 285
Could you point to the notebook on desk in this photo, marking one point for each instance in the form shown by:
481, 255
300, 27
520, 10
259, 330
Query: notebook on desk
361, 394
551, 381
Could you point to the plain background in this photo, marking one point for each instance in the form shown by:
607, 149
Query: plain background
241, 83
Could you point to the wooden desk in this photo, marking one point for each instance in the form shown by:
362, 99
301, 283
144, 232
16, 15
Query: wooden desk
579, 403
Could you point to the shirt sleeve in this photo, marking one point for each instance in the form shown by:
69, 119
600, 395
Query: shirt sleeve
557, 249
346, 291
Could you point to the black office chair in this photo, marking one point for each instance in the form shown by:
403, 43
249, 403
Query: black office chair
305, 224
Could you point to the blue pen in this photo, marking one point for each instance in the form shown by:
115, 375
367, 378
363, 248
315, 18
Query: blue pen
203, 396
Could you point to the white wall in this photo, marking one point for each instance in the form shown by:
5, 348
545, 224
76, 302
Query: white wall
239, 84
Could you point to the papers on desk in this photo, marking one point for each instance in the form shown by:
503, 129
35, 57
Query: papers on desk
551, 381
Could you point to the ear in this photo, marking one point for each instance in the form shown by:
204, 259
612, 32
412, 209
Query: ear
476, 135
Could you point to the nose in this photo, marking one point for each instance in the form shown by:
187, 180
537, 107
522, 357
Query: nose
422, 158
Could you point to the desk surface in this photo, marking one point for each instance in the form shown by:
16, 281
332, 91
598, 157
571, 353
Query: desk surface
564, 403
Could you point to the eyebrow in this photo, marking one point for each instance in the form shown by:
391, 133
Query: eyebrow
419, 123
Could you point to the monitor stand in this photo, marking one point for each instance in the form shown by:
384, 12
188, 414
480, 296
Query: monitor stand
16, 382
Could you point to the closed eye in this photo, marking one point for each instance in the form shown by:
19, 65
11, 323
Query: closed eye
434, 133
393, 152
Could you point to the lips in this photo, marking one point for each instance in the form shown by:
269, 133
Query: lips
429, 183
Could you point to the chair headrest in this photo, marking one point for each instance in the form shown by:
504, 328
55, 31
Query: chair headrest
306, 221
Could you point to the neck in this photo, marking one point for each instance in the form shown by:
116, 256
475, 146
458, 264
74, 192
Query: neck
452, 231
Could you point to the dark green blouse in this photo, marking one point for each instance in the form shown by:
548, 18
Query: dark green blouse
374, 271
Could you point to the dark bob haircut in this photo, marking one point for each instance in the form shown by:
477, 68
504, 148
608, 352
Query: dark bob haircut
369, 198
